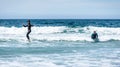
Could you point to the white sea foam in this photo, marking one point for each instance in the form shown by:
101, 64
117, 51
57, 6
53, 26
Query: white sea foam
33, 64
51, 33
60, 60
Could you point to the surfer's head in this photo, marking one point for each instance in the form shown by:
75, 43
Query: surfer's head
28, 21
94, 31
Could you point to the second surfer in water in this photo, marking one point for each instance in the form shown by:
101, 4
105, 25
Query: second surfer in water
94, 36
29, 29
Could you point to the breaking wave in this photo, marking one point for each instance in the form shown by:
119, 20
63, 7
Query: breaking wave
58, 33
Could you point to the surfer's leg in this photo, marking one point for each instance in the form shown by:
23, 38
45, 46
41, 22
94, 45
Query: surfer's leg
28, 35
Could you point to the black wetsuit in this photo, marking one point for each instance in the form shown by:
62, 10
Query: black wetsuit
94, 36
29, 30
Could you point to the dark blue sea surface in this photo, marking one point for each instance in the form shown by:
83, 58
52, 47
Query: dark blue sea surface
62, 22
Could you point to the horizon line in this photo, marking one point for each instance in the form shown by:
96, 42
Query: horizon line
63, 18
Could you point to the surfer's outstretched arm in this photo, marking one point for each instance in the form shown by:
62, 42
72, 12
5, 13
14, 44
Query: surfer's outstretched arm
25, 25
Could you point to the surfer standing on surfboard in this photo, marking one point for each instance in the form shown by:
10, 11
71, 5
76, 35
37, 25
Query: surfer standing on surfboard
94, 36
29, 29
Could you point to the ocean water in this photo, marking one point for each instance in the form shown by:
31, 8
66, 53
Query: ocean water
60, 43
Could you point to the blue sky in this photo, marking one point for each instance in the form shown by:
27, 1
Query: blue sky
60, 9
